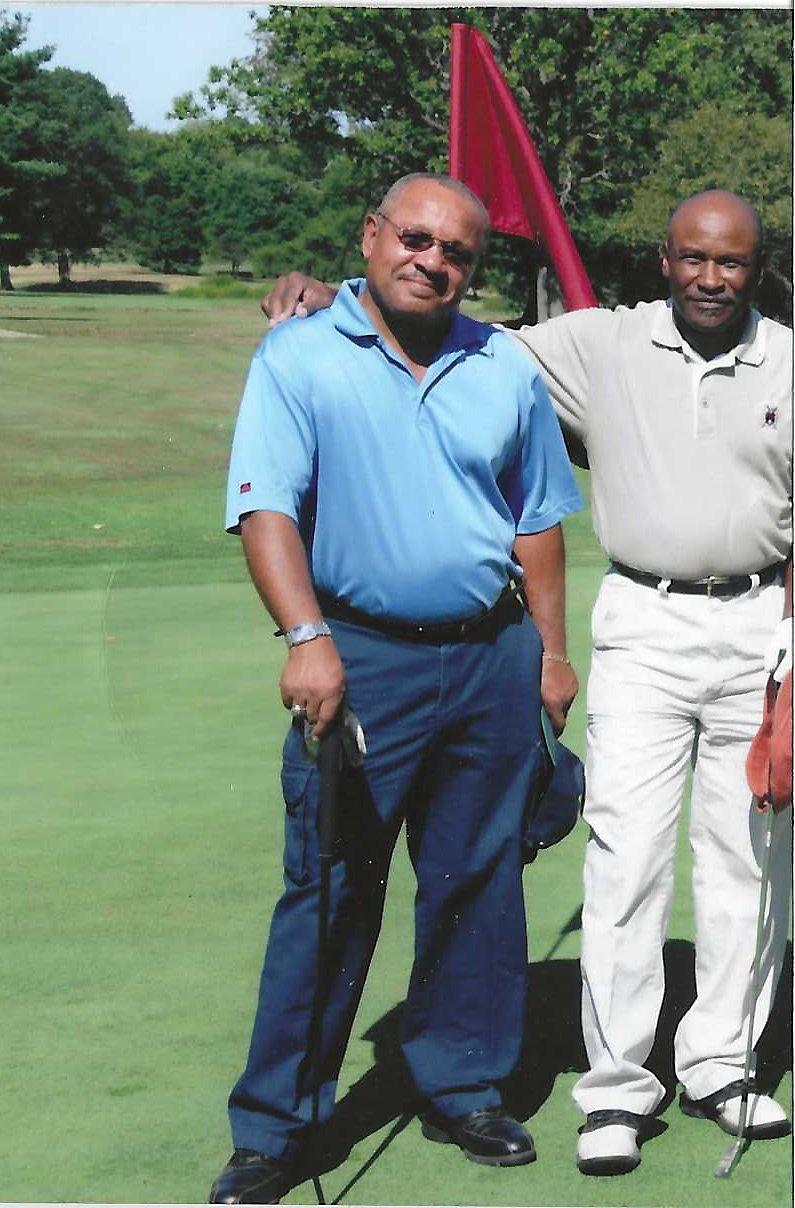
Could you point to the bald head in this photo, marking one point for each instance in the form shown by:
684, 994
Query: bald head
441, 181
718, 205
712, 258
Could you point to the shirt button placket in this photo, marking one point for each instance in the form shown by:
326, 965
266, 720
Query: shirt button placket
705, 411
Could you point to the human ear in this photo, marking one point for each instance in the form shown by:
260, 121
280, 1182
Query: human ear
368, 237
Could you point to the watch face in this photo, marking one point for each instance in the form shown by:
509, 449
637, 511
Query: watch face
306, 632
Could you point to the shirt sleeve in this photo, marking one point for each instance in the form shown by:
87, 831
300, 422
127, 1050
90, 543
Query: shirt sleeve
549, 490
560, 346
275, 444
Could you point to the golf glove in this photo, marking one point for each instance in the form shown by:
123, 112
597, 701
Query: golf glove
778, 659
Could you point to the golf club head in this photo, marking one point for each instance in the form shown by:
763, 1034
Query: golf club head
729, 1159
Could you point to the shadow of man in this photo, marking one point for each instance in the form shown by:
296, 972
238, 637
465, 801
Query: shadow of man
552, 1045
774, 1050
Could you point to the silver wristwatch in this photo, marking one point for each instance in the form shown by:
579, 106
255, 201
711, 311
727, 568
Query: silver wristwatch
306, 633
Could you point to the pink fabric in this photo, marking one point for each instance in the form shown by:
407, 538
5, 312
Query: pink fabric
492, 153
769, 763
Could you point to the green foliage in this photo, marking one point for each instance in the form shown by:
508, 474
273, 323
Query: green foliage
600, 90
22, 163
83, 130
163, 224
749, 153
220, 287
255, 198
321, 228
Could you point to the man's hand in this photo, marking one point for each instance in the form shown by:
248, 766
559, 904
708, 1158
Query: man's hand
296, 294
778, 657
314, 678
559, 686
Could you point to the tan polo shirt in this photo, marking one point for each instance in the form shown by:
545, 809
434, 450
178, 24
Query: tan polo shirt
691, 460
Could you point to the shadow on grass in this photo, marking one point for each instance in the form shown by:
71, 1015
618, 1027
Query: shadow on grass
94, 287
774, 1050
385, 1093
552, 1045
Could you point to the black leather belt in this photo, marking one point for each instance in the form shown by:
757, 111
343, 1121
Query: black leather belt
434, 632
715, 585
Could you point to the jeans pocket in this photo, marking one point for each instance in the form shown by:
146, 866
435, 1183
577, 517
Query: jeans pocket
297, 782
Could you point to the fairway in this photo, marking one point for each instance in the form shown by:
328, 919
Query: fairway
143, 821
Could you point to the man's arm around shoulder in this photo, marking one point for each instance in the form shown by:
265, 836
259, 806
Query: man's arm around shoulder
563, 349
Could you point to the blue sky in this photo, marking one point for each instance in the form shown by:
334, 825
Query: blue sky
151, 52
148, 52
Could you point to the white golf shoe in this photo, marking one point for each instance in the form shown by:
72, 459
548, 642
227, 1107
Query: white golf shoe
608, 1143
765, 1118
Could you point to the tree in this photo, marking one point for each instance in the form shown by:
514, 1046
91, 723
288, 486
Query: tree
317, 223
599, 89
22, 166
163, 221
750, 154
85, 131
254, 196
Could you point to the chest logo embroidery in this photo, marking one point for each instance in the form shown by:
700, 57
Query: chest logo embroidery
770, 419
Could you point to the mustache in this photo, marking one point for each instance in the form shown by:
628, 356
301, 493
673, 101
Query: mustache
437, 281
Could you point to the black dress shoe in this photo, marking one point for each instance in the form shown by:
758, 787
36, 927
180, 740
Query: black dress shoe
253, 1178
488, 1136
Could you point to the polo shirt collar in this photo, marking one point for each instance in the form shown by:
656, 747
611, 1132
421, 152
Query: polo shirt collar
750, 348
351, 319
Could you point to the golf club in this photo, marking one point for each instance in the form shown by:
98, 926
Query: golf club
329, 764
731, 1156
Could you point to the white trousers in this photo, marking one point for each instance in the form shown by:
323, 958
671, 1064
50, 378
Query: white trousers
674, 680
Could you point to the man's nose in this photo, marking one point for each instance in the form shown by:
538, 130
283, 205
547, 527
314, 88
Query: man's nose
710, 277
431, 261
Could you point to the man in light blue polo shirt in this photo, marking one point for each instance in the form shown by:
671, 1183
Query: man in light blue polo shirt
395, 470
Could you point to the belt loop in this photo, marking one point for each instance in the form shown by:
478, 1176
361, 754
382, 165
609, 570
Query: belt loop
754, 588
663, 586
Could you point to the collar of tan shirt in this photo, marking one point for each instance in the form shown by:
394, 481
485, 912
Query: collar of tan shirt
750, 349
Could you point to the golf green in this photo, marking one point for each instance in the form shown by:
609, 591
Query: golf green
143, 822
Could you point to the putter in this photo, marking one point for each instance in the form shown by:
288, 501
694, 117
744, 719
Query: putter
731, 1156
329, 764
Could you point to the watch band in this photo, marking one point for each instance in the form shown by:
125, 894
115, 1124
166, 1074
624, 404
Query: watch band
306, 632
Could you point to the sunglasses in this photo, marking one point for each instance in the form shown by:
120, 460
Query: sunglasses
420, 241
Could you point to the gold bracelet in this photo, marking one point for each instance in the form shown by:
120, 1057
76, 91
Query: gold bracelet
556, 658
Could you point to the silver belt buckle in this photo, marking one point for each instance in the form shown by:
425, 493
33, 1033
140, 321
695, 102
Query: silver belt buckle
712, 579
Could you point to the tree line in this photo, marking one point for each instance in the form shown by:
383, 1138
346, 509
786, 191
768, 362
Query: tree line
276, 159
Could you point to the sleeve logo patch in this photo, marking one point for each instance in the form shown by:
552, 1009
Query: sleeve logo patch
245, 487
770, 417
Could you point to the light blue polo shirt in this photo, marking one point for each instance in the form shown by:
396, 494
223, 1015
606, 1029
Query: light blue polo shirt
408, 494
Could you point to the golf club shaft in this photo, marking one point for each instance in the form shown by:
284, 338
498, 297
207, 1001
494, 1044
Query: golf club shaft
730, 1157
329, 766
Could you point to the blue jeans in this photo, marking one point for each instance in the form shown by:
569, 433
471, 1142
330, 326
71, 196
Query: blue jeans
452, 747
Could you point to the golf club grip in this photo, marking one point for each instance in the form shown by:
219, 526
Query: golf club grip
329, 763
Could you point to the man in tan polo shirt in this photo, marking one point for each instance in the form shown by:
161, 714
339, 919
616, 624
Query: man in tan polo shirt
684, 409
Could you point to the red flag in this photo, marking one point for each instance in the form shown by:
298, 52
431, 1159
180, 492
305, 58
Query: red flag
492, 153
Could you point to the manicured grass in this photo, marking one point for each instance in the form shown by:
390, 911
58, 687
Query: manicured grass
142, 818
